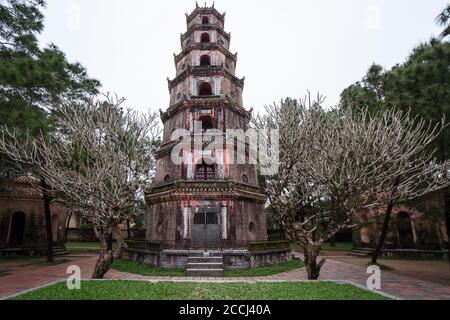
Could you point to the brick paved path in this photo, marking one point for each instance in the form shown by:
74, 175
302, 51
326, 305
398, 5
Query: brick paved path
23, 278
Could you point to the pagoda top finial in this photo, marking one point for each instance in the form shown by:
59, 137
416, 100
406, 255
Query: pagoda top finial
202, 10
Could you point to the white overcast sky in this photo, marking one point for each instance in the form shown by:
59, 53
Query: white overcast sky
285, 47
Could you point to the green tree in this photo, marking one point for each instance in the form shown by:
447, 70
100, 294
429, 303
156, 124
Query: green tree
368, 93
33, 81
443, 19
30, 75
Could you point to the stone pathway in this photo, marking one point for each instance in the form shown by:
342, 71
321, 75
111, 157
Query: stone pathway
22, 276
19, 278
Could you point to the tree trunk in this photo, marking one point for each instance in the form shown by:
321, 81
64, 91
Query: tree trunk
387, 218
333, 241
447, 220
312, 267
67, 225
128, 229
107, 256
48, 221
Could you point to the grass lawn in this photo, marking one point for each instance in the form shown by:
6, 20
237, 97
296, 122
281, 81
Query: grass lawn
340, 246
142, 290
143, 269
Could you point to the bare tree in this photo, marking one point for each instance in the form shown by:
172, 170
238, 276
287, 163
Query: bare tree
414, 171
99, 160
333, 164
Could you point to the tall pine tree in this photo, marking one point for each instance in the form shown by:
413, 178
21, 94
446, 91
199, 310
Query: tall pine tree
34, 80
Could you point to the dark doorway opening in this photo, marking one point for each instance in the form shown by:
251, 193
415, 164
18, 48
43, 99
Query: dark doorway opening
207, 122
404, 229
205, 89
205, 38
205, 60
17, 230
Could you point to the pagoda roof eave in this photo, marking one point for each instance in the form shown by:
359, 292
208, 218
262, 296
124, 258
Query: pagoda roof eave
205, 70
205, 46
215, 189
199, 26
190, 102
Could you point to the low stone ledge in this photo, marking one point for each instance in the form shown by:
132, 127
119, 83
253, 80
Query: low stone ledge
232, 259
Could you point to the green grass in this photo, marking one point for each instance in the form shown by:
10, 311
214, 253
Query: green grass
146, 270
142, 290
344, 246
267, 270
94, 246
340, 246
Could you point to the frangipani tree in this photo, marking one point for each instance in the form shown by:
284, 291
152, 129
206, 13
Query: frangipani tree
100, 161
334, 163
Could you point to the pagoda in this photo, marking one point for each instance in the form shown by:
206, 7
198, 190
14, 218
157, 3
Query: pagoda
209, 200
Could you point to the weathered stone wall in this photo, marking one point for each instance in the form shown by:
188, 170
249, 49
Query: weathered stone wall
418, 224
147, 257
166, 167
162, 222
232, 259
175, 122
249, 221
34, 231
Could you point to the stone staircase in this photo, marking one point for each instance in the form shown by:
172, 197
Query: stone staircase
361, 252
59, 250
206, 264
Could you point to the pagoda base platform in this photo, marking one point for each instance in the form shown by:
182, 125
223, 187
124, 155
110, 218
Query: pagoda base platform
231, 258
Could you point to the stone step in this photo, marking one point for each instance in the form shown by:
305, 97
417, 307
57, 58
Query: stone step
205, 254
204, 272
361, 252
60, 253
205, 265
204, 259
363, 249
358, 254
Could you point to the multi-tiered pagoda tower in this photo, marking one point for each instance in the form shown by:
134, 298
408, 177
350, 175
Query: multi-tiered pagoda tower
197, 204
